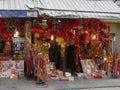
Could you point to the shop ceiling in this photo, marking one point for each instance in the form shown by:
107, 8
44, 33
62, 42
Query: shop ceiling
101, 9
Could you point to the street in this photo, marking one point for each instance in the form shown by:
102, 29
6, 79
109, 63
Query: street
77, 84
106, 88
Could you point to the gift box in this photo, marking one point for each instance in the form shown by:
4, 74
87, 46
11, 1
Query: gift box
63, 78
80, 75
10, 67
55, 78
21, 74
5, 74
71, 78
96, 75
67, 74
59, 73
14, 77
87, 76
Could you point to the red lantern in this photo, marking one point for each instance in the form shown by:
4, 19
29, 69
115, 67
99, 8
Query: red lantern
86, 35
77, 50
78, 32
1, 22
86, 41
77, 41
77, 22
76, 59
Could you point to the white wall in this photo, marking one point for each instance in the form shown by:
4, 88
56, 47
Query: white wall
113, 28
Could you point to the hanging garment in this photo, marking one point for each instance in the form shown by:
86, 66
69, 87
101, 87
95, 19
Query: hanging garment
2, 45
54, 54
70, 57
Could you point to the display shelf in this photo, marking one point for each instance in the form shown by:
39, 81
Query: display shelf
18, 48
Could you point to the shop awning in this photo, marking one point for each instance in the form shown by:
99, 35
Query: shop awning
104, 9
16, 8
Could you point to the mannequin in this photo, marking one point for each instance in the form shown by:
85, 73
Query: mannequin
54, 54
2, 44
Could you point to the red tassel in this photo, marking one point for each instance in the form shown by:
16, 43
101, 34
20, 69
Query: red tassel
76, 59
77, 50
77, 41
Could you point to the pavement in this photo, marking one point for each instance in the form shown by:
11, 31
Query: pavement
77, 84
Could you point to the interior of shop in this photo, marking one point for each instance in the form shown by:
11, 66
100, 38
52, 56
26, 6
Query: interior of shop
71, 47
56, 49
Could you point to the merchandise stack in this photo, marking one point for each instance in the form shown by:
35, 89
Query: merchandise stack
10, 68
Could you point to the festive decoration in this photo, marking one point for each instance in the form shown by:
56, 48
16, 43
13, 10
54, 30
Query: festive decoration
59, 40
44, 24
41, 47
89, 36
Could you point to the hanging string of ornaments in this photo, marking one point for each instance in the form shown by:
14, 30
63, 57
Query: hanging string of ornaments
90, 36
6, 27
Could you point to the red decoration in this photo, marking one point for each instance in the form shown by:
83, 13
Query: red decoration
77, 50
2, 22
76, 59
77, 41
86, 41
78, 32
77, 22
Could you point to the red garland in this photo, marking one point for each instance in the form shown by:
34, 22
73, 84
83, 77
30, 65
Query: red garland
76, 59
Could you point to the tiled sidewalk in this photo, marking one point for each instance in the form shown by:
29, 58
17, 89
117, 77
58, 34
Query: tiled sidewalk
78, 83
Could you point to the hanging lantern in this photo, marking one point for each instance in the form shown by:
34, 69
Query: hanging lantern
78, 32
76, 60
86, 41
36, 35
77, 41
59, 40
44, 24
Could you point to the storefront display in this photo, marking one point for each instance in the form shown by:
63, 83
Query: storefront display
2, 44
66, 46
12, 48
18, 48
7, 68
86, 45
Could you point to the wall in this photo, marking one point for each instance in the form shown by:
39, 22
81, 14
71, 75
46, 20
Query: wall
118, 38
113, 27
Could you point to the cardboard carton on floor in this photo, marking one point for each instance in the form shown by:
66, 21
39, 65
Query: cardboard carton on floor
63, 78
81, 75
14, 77
67, 74
71, 78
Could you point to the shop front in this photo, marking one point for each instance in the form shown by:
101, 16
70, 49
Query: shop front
78, 47
13, 18
65, 41
70, 40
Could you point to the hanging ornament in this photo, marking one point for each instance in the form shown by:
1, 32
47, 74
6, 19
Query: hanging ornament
59, 40
76, 59
108, 58
77, 22
44, 24
77, 41
86, 41
77, 50
36, 35
2, 22
78, 32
